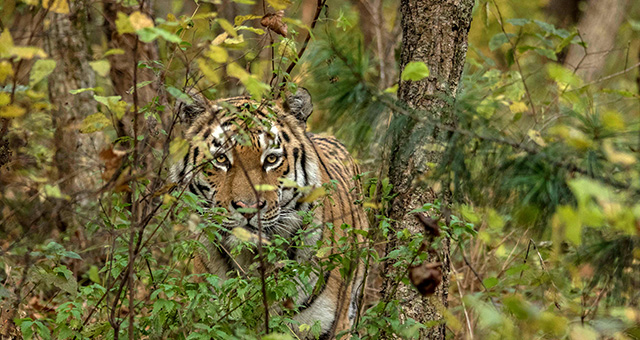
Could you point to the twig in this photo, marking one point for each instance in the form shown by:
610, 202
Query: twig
320, 6
464, 307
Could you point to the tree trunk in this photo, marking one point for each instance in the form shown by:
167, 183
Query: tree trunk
67, 44
598, 27
434, 32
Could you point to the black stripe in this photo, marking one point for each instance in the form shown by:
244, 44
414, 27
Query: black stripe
303, 163
285, 136
185, 162
196, 152
312, 298
296, 154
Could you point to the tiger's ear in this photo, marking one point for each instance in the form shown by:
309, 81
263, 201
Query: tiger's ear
190, 108
299, 104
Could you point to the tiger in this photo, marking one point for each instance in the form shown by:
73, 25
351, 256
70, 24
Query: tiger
270, 150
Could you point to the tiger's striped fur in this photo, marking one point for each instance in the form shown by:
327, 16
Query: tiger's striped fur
272, 145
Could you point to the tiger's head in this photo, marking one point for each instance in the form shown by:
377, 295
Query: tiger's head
244, 156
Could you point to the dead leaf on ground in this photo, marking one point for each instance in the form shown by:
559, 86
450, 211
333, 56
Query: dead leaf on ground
273, 21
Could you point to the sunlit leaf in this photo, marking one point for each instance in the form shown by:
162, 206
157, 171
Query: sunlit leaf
123, 24
315, 194
12, 111
264, 187
615, 156
5, 70
415, 70
95, 122
178, 148
240, 19
140, 20
213, 75
217, 54
5, 98
518, 107
56, 6
113, 51
536, 137
101, 67
227, 27
563, 76
279, 4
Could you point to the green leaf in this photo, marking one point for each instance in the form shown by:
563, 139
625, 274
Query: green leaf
178, 94
490, 282
94, 274
518, 21
147, 34
40, 70
547, 53
94, 89
415, 70
499, 40
168, 36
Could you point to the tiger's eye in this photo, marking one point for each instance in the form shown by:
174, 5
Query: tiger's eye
221, 159
271, 159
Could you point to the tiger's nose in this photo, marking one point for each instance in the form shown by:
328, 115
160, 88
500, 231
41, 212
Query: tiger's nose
256, 206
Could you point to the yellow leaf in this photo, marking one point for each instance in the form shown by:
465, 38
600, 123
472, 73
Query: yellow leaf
313, 195
5, 98
518, 107
6, 44
11, 111
178, 148
287, 183
217, 54
27, 52
227, 27
123, 24
264, 187
211, 74
236, 71
140, 20
101, 67
235, 41
57, 6
615, 156
279, 4
94, 122
536, 137
613, 121
5, 70
220, 38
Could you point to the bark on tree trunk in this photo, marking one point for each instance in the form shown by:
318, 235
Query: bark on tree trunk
598, 27
68, 45
434, 32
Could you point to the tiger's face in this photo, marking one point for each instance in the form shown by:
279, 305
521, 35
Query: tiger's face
240, 158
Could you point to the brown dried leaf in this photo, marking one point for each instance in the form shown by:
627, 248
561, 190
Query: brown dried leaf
430, 224
273, 21
112, 159
426, 277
